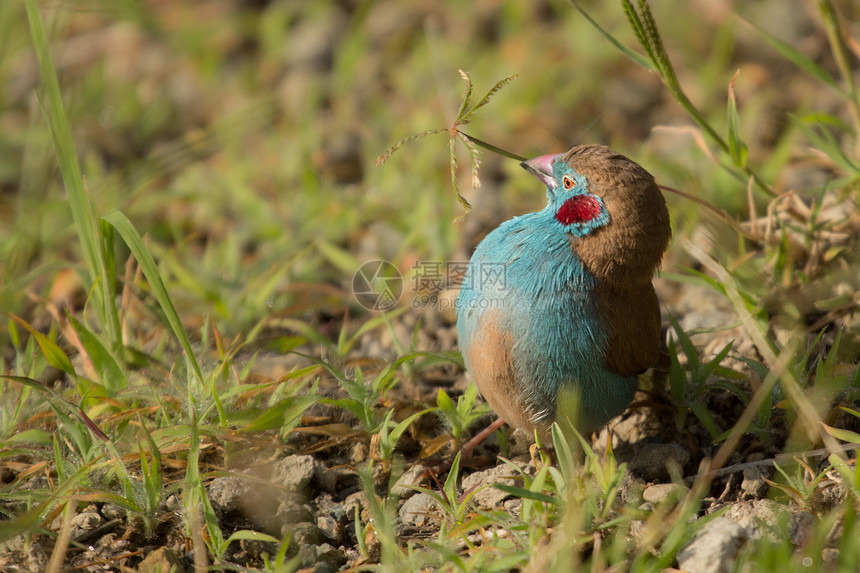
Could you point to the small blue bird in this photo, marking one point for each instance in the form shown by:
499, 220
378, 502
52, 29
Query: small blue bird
557, 314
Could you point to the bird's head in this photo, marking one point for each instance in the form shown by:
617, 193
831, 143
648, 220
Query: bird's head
591, 188
575, 208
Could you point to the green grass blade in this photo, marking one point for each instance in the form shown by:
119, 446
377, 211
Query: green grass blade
822, 139
53, 353
486, 99
670, 78
687, 346
711, 365
287, 410
25, 522
82, 208
738, 150
493, 148
706, 418
467, 98
526, 493
106, 365
386, 155
841, 53
251, 536
450, 486
150, 270
153, 477
796, 57
398, 430
638, 28
59, 462
466, 402
844, 435
636, 57
447, 405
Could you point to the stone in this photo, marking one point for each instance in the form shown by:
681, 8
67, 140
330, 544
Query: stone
303, 533
331, 479
326, 553
760, 517
353, 500
714, 549
415, 475
329, 528
326, 505
754, 485
519, 444
113, 511
292, 509
514, 507
830, 559
161, 560
624, 430
268, 507
26, 553
85, 521
331, 518
481, 483
417, 511
294, 472
631, 490
664, 493
106, 540
227, 494
801, 528
173, 503
650, 461
771, 512
359, 451
830, 496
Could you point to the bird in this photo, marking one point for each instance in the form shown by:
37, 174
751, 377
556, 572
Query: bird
557, 314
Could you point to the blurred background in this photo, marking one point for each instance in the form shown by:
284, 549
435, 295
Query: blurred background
240, 136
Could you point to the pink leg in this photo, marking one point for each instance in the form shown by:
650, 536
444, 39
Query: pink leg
470, 446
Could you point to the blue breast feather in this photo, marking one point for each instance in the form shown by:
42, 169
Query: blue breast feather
544, 298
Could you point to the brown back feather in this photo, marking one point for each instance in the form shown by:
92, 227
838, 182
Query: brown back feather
624, 254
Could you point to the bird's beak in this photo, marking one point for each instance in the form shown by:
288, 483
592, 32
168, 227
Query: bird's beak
541, 167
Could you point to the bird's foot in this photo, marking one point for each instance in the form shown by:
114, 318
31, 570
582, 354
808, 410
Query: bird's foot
541, 456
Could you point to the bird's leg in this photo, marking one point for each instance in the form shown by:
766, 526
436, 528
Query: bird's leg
470, 446
533, 453
542, 455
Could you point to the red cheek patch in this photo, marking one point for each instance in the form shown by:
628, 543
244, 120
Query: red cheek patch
578, 209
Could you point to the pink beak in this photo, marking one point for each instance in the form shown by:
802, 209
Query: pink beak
541, 167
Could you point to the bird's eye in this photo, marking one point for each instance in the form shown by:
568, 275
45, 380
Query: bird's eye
568, 182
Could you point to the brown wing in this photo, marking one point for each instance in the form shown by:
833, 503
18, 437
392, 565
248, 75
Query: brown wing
624, 254
633, 320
